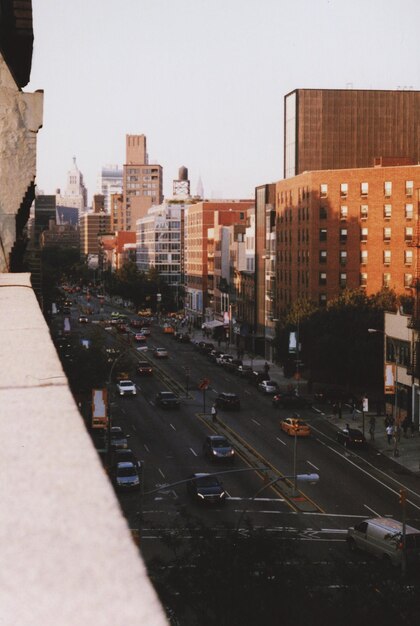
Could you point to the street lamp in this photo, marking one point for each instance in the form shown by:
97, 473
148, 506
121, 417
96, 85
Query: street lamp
394, 347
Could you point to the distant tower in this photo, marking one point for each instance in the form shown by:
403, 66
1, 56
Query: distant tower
75, 194
200, 188
181, 187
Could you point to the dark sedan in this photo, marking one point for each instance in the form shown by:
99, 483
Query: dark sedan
351, 437
167, 400
206, 488
218, 448
228, 401
144, 368
290, 401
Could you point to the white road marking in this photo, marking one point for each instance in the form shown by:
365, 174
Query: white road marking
257, 499
172, 426
312, 465
146, 448
281, 441
194, 452
161, 473
255, 422
248, 392
371, 510
133, 428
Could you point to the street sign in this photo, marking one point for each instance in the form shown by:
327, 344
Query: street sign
204, 384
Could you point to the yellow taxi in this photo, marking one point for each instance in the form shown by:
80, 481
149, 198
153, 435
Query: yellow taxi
295, 427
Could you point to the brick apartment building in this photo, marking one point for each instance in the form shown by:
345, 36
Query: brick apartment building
199, 218
348, 228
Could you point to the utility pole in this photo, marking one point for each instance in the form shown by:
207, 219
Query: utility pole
403, 501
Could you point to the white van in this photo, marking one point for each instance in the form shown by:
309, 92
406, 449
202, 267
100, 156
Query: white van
382, 537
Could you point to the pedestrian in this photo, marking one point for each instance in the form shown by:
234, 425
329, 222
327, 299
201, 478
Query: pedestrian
389, 432
347, 427
353, 411
214, 413
266, 368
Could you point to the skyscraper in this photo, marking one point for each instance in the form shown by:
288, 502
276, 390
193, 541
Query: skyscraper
110, 181
344, 128
142, 182
75, 194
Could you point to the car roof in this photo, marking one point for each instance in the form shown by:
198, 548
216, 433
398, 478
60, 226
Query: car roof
217, 438
166, 393
125, 464
228, 394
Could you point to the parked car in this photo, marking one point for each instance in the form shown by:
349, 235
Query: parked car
228, 401
167, 400
256, 377
121, 455
218, 448
144, 368
126, 476
205, 347
206, 488
268, 386
383, 537
244, 371
126, 388
290, 401
351, 437
118, 438
232, 364
183, 337
213, 355
295, 427
160, 353
223, 357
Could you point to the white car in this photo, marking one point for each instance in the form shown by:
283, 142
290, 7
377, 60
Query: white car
268, 386
126, 388
160, 353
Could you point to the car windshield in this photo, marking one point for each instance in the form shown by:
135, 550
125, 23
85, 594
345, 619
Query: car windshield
220, 443
126, 383
167, 395
207, 481
126, 472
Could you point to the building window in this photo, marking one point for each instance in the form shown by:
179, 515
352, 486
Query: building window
343, 235
408, 257
322, 213
322, 256
387, 234
409, 187
343, 257
323, 190
363, 257
322, 234
364, 234
386, 279
322, 299
387, 189
322, 278
364, 210
409, 233
408, 211
344, 211
408, 280
363, 279
387, 257
387, 211
343, 280
364, 189
344, 190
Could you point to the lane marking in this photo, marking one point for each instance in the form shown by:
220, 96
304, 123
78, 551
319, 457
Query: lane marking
146, 448
239, 498
172, 426
372, 511
281, 441
255, 421
161, 473
194, 452
133, 428
312, 465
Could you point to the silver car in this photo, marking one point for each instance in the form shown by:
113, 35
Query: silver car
126, 476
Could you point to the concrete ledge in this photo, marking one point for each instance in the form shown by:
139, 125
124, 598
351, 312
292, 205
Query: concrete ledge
66, 551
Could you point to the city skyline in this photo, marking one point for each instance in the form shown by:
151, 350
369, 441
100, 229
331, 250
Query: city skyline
204, 82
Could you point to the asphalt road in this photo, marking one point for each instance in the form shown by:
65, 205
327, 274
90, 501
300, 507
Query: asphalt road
353, 485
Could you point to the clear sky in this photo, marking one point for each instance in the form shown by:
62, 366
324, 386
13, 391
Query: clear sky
204, 80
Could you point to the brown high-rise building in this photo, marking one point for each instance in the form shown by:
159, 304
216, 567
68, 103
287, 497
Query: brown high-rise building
142, 182
344, 128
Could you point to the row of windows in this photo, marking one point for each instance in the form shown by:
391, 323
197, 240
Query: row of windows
364, 189
342, 279
364, 211
364, 232
408, 257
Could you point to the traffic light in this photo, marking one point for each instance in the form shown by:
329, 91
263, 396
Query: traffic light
403, 496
